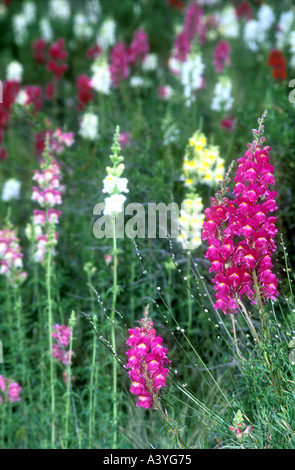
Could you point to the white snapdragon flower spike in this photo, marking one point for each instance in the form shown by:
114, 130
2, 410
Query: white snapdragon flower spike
59, 9
14, 71
191, 77
284, 27
11, 190
29, 12
150, 63
46, 29
101, 79
113, 184
253, 35
93, 11
20, 30
89, 126
137, 82
82, 28
222, 99
228, 23
107, 34
266, 17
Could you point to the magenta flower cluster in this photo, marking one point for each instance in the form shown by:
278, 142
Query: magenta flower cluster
241, 233
122, 56
11, 257
9, 390
62, 334
193, 26
222, 53
146, 359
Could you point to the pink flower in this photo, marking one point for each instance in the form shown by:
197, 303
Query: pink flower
222, 55
119, 63
124, 139
227, 123
146, 359
2, 384
13, 392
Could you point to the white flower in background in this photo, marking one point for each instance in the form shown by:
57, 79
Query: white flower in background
59, 9
107, 34
137, 82
20, 29
254, 35
82, 28
174, 65
222, 99
14, 71
266, 17
11, 190
21, 98
46, 29
284, 27
89, 126
191, 77
190, 222
292, 48
101, 79
114, 204
228, 23
150, 63
29, 12
93, 11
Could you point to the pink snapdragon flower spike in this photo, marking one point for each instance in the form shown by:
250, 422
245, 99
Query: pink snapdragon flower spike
62, 334
147, 358
11, 264
240, 232
222, 55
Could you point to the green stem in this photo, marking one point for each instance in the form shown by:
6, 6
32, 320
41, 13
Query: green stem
50, 323
92, 387
189, 300
69, 370
114, 301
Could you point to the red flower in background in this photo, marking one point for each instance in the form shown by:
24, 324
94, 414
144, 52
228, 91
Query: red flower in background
277, 62
178, 4
85, 91
244, 10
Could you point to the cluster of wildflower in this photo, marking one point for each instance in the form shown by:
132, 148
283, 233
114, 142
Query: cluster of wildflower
202, 162
48, 195
240, 232
9, 390
193, 26
11, 190
101, 80
85, 91
62, 335
256, 30
113, 184
147, 359
122, 56
240, 429
222, 56
190, 221
22, 21
11, 257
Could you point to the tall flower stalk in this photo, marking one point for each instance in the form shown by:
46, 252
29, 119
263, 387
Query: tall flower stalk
240, 234
114, 186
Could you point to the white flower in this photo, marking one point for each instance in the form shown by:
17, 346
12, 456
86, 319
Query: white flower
82, 28
93, 10
265, 17
191, 77
89, 126
174, 65
136, 81
29, 12
21, 98
150, 63
11, 190
222, 99
14, 71
284, 28
107, 34
253, 35
59, 9
228, 24
19, 25
46, 29
111, 183
101, 79
114, 204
